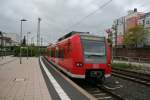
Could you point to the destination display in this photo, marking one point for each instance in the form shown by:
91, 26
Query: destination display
93, 38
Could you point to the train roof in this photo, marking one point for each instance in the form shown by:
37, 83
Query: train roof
72, 33
87, 34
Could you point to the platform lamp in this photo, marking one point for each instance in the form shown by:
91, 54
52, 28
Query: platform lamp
21, 38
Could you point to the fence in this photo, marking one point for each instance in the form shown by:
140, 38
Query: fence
133, 53
132, 59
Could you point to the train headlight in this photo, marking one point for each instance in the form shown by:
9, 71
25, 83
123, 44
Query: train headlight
79, 64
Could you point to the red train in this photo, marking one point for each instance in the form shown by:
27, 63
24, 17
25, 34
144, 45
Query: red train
82, 55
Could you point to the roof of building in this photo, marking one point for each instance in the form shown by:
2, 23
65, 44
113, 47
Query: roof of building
5, 38
145, 15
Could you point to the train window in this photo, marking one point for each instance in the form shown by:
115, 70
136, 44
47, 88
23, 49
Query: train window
61, 53
49, 53
52, 53
94, 51
57, 53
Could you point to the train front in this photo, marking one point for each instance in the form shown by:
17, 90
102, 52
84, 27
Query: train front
97, 58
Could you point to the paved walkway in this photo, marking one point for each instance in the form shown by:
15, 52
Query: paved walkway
5, 59
22, 81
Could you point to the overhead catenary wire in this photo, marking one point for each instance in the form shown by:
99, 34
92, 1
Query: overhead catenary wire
90, 14
59, 26
77, 23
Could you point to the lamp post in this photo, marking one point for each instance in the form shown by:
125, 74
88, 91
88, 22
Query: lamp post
1, 44
116, 36
114, 27
28, 44
38, 35
21, 38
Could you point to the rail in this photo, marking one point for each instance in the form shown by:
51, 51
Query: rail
100, 92
133, 76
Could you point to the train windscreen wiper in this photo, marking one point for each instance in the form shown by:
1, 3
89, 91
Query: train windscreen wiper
95, 54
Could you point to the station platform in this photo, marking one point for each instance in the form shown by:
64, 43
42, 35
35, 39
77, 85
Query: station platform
36, 79
22, 81
6, 59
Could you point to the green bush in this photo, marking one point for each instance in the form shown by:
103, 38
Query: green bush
32, 51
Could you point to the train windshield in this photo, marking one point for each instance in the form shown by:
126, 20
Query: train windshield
94, 50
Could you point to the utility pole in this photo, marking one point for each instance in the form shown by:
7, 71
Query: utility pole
124, 25
41, 44
116, 29
32, 42
41, 41
28, 44
38, 35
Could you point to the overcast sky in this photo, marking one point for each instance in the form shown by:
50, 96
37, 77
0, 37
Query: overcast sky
59, 16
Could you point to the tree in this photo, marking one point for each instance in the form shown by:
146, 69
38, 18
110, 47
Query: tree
136, 36
24, 41
109, 39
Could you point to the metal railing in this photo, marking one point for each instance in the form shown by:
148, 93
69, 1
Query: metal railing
132, 59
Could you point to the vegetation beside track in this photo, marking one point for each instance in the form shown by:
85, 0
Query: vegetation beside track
131, 67
30, 51
124, 66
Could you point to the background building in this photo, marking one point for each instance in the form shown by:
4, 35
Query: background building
9, 39
145, 21
14, 38
132, 19
119, 27
123, 24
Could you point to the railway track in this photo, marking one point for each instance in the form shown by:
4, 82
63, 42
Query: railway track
100, 92
133, 76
